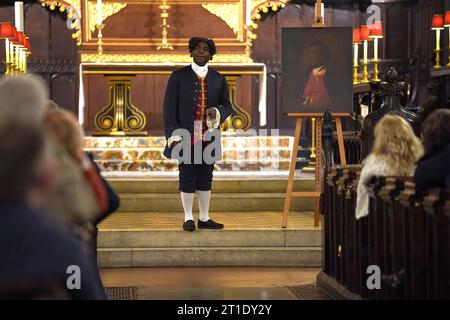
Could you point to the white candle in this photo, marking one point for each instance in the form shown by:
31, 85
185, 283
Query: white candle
355, 55
375, 49
11, 52
322, 7
365, 51
438, 39
18, 6
7, 50
99, 12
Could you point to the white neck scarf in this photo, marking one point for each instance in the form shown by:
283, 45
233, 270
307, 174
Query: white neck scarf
200, 71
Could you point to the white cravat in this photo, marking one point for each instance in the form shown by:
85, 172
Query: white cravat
200, 71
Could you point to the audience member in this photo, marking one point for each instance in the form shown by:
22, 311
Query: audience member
23, 98
395, 152
34, 247
433, 170
87, 181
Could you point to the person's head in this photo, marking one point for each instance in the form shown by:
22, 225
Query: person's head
317, 53
202, 50
397, 144
23, 99
67, 131
27, 163
436, 130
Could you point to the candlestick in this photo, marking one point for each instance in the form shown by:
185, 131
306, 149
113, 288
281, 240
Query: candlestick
318, 19
438, 49
375, 60
100, 40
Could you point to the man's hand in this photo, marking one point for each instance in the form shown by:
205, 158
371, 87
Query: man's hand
211, 113
174, 144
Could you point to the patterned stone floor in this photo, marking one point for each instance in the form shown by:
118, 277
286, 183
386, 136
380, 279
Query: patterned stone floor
212, 284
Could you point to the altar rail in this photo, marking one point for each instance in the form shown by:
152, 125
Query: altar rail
406, 234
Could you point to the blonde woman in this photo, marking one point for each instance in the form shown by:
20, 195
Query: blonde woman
394, 153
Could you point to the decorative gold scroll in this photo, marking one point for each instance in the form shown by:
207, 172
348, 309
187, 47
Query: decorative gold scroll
228, 12
108, 9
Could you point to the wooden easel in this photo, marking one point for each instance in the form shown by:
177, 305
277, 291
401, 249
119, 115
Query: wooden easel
318, 23
318, 176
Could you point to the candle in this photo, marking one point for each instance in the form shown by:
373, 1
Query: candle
365, 51
355, 55
8, 60
18, 6
99, 12
322, 8
375, 49
438, 39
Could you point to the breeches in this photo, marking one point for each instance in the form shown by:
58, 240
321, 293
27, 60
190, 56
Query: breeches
195, 177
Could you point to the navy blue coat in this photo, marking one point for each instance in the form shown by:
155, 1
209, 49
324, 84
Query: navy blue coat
180, 101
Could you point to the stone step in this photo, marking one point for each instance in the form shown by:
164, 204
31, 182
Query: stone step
210, 257
170, 185
169, 238
171, 202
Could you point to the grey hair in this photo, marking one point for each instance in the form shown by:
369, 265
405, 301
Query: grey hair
23, 99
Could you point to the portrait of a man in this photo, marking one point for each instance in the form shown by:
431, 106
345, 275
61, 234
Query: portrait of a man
313, 79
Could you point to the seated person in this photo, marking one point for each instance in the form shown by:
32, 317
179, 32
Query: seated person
33, 246
80, 191
395, 152
433, 170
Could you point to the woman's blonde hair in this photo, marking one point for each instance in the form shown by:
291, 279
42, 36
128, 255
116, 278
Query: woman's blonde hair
397, 144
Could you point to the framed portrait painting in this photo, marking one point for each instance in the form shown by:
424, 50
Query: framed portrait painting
317, 70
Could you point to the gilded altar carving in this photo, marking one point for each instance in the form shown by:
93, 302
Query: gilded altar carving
230, 13
108, 9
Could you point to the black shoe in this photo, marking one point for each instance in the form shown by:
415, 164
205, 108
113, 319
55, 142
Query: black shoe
189, 225
210, 224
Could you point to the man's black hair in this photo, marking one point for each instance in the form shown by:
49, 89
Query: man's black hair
325, 52
196, 40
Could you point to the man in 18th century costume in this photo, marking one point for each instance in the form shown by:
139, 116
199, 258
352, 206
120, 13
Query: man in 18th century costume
196, 101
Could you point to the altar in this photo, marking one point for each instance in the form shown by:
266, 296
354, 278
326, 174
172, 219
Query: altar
107, 92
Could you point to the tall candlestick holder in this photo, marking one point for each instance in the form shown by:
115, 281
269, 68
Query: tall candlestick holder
100, 27
375, 71
355, 74
365, 72
165, 27
437, 63
438, 26
8, 58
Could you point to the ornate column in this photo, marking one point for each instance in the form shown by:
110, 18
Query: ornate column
239, 119
120, 117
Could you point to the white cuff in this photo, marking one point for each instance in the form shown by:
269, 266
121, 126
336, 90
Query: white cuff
213, 123
173, 139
